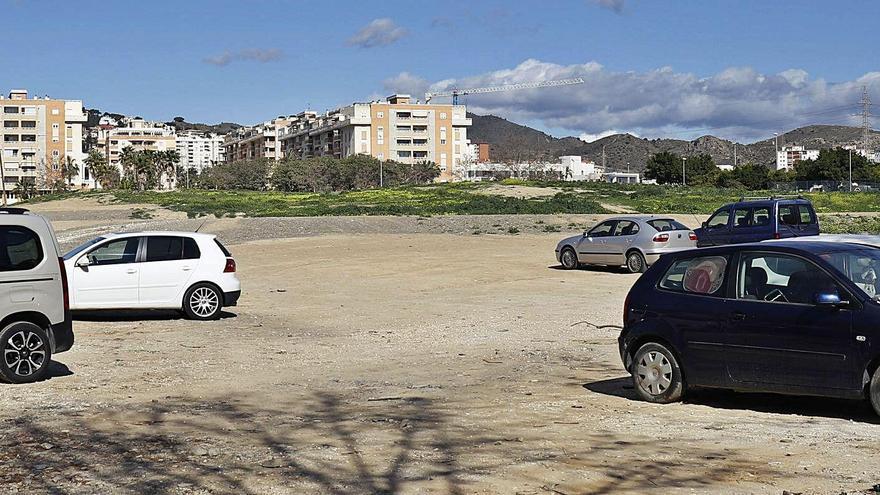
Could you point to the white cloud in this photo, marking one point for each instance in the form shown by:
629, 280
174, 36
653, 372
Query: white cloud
737, 102
379, 32
261, 55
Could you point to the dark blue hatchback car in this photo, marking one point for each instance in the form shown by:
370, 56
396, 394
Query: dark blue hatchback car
787, 317
757, 220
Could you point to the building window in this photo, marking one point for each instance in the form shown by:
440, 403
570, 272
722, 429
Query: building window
10, 138
380, 115
380, 136
29, 137
10, 124
55, 111
29, 124
442, 115
381, 156
363, 135
10, 109
442, 161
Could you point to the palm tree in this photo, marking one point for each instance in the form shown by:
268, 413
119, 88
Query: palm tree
69, 170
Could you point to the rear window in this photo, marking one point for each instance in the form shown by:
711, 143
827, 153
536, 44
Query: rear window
223, 248
703, 275
796, 215
171, 248
20, 249
667, 224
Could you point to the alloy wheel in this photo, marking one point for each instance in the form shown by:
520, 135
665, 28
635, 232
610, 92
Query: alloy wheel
568, 259
204, 302
634, 262
24, 353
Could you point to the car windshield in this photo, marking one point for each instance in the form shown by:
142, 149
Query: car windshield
861, 264
666, 224
82, 247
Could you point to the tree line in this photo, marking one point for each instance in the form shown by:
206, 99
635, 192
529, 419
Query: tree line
700, 170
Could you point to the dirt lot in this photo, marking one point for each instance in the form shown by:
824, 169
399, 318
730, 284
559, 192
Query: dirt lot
387, 362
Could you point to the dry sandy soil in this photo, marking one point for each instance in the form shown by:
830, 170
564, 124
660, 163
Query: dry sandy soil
385, 362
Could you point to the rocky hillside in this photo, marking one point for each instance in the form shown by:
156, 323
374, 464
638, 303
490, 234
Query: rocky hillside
511, 141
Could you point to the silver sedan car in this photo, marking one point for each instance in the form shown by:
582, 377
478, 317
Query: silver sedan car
636, 241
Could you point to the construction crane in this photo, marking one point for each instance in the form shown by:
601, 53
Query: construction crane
455, 93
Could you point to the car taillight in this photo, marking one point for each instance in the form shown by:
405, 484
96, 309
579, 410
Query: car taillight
776, 235
230, 266
692, 236
65, 290
661, 237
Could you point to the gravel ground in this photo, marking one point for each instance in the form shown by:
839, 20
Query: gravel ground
362, 359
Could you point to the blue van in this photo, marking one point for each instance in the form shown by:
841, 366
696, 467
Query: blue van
754, 220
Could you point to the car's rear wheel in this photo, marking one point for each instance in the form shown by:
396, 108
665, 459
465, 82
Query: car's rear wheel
874, 391
26, 352
656, 374
635, 262
569, 259
202, 302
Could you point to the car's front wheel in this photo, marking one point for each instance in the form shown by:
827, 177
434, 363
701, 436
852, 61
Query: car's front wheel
569, 259
202, 302
656, 374
26, 352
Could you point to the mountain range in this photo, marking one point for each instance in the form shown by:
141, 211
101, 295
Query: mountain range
509, 141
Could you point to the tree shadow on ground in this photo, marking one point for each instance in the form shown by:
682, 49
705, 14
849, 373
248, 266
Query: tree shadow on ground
852, 410
324, 443
133, 315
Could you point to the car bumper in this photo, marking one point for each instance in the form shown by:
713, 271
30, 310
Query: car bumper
231, 298
557, 256
62, 334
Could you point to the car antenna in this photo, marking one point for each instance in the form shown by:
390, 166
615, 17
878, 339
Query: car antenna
200, 226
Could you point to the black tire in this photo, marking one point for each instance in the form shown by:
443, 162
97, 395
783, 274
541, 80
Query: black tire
26, 353
203, 302
635, 262
874, 391
568, 258
656, 374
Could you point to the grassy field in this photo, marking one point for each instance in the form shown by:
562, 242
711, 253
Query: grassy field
484, 198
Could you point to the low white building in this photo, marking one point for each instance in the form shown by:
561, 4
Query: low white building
200, 150
789, 155
569, 168
621, 177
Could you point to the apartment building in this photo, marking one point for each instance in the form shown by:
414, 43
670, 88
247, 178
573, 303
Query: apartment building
396, 129
38, 135
136, 133
789, 155
200, 150
259, 141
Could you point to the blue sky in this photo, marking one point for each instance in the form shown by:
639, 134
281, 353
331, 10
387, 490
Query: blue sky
653, 67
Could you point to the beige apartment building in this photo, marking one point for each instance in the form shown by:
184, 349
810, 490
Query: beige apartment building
136, 133
259, 141
38, 135
396, 129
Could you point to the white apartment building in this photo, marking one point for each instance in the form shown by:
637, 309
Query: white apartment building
136, 133
789, 155
397, 129
259, 141
38, 135
200, 150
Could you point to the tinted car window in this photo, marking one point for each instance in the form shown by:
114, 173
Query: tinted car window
703, 275
806, 217
20, 249
190, 249
719, 219
788, 214
761, 216
666, 224
171, 248
603, 229
625, 227
782, 278
861, 265
115, 252
742, 217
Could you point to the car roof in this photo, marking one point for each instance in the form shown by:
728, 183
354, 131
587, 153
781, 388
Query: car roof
786, 245
643, 217
194, 235
770, 201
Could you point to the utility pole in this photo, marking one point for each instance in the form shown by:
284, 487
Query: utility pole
381, 175
776, 148
683, 176
850, 170
866, 119
603, 159
734, 155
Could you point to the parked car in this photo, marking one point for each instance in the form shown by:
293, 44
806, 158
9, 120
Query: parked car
188, 271
634, 241
757, 220
35, 320
784, 317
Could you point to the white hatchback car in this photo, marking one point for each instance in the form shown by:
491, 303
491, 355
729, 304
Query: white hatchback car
187, 271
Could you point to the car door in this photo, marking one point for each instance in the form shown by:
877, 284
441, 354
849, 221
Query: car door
717, 227
593, 248
620, 241
777, 336
106, 276
168, 264
751, 224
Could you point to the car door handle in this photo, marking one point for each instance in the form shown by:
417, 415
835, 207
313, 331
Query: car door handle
738, 316
131, 270
186, 268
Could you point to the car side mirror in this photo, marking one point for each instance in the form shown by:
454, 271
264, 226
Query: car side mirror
830, 299
705, 225
83, 262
